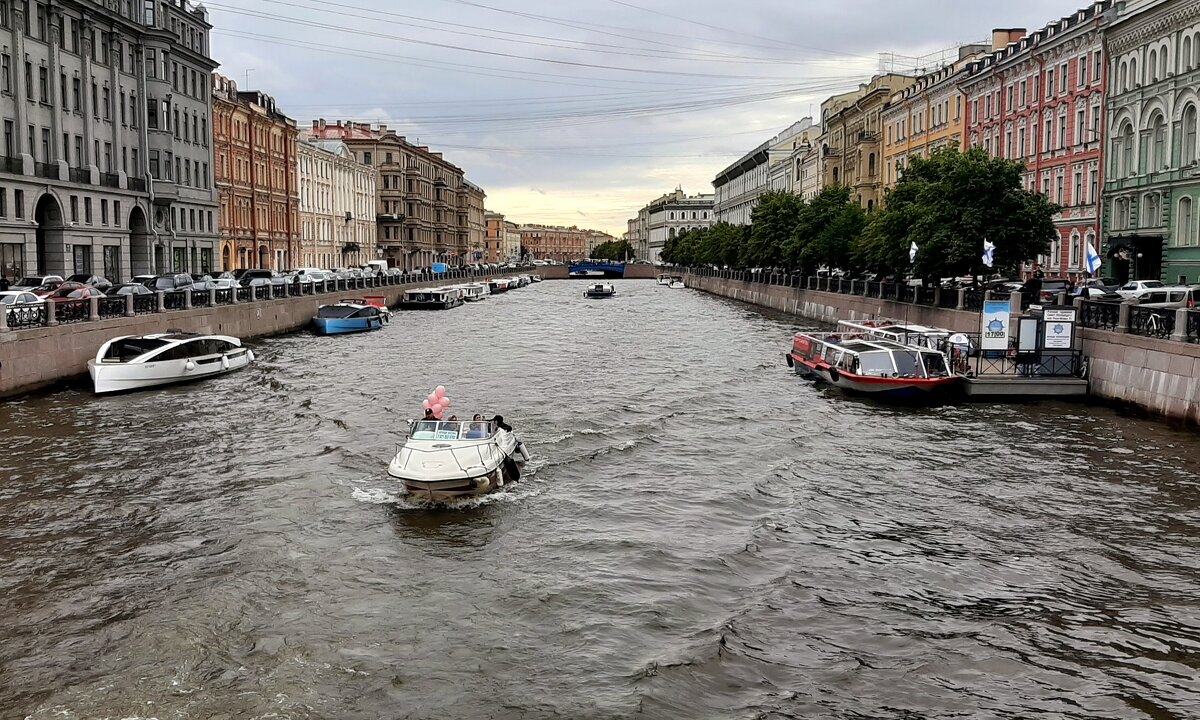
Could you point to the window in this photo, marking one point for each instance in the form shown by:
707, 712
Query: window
1188, 150
1050, 83
1074, 254
1152, 70
1082, 70
87, 210
152, 114
103, 211
1183, 223
1094, 185
19, 204
28, 80
44, 84
1077, 195
6, 73
1159, 139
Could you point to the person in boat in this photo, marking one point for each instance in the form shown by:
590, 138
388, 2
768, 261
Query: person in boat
428, 415
499, 422
477, 429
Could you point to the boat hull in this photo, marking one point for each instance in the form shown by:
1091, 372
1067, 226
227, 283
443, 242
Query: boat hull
127, 377
345, 326
887, 388
445, 305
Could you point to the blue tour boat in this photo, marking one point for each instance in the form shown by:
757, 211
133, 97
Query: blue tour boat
347, 316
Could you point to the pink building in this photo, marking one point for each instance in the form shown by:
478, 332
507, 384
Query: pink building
1039, 98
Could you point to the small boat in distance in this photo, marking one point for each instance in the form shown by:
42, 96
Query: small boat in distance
347, 316
677, 283
474, 292
536, 278
499, 285
859, 363
599, 291
430, 299
134, 362
448, 460
662, 279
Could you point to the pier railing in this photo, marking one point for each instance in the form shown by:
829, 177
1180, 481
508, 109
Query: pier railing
42, 314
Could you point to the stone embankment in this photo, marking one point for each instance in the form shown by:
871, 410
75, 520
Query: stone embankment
1125, 365
36, 357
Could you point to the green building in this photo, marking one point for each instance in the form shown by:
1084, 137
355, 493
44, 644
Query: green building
1152, 184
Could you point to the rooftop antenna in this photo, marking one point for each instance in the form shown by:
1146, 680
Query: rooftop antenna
248, 71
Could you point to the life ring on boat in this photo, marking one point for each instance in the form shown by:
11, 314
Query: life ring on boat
189, 366
224, 362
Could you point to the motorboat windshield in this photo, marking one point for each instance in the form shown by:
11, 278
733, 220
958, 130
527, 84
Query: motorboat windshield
131, 348
452, 430
341, 311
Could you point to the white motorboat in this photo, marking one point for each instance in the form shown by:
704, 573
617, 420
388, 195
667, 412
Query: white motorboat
446, 460
599, 291
474, 292
536, 278
663, 279
134, 362
676, 283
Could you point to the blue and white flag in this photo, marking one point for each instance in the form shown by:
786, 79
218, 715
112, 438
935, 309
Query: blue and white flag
1093, 259
912, 253
989, 252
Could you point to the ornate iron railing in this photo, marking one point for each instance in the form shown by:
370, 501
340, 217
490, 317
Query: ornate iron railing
1193, 326
1151, 322
1099, 315
245, 294
927, 295
890, 291
26, 316
262, 292
973, 300
225, 296
199, 298
174, 300
143, 304
73, 311
948, 299
873, 288
113, 306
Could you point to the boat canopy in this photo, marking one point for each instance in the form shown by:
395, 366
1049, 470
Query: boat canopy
452, 430
344, 311
877, 358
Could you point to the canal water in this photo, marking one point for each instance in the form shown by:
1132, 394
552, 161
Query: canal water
702, 535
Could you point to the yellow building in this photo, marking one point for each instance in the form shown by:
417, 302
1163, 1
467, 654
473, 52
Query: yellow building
852, 145
925, 116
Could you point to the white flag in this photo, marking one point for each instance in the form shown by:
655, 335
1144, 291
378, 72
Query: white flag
1093, 259
912, 253
989, 251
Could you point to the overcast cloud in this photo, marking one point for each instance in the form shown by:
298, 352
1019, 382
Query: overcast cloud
579, 112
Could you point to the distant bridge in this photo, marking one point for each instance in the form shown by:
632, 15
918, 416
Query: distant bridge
607, 269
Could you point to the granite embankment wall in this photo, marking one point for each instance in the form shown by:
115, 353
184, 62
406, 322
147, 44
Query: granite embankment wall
35, 358
1159, 376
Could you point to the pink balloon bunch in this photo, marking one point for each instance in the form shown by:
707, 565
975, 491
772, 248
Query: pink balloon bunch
437, 402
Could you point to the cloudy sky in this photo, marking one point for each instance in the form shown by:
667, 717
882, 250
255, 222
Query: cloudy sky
580, 111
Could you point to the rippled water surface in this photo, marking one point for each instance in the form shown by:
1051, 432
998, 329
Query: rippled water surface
702, 535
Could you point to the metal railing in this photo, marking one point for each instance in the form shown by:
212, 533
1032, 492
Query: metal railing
927, 295
1193, 326
145, 304
245, 294
262, 292
199, 298
889, 291
948, 299
225, 296
174, 300
1099, 315
112, 306
873, 288
1150, 322
73, 311
26, 316
973, 300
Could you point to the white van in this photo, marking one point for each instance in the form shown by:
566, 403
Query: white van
376, 267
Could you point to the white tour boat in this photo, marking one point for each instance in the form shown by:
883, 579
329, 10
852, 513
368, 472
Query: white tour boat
663, 279
133, 362
599, 290
676, 283
446, 460
474, 292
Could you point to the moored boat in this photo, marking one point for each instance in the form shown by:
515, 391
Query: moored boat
499, 285
676, 283
599, 291
133, 362
662, 279
430, 299
859, 363
536, 278
474, 292
347, 316
449, 460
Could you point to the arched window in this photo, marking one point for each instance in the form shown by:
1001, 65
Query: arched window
871, 165
1127, 166
1073, 260
1189, 148
835, 176
1185, 60
1183, 223
1124, 77
1158, 136
1150, 214
1133, 74
1152, 68
1162, 63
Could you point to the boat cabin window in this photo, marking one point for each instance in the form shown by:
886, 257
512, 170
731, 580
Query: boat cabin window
935, 365
447, 430
126, 350
876, 364
907, 363
196, 348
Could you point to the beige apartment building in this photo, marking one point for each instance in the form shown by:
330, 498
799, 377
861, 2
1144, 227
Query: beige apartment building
423, 206
503, 239
337, 206
476, 223
852, 142
553, 242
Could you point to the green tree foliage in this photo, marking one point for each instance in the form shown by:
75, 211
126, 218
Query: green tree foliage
613, 250
948, 204
828, 226
772, 223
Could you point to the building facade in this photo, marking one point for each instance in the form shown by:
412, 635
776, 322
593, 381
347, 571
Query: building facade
926, 115
476, 223
852, 143
1152, 186
552, 242
337, 206
422, 213
809, 183
673, 215
95, 99
737, 188
503, 240
1039, 98
785, 157
257, 176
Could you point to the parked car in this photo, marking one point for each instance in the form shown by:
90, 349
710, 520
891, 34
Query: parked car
35, 281
92, 280
83, 292
225, 283
174, 282
1170, 297
208, 284
147, 280
243, 275
19, 298
1136, 288
51, 287
1049, 292
1100, 293
132, 288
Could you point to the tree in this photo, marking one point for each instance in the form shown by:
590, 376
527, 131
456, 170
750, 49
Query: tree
772, 223
948, 204
613, 250
825, 231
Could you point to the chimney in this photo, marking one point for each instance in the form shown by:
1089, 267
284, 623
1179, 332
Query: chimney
1002, 37
382, 128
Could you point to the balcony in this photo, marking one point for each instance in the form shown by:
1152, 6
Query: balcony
389, 218
11, 165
